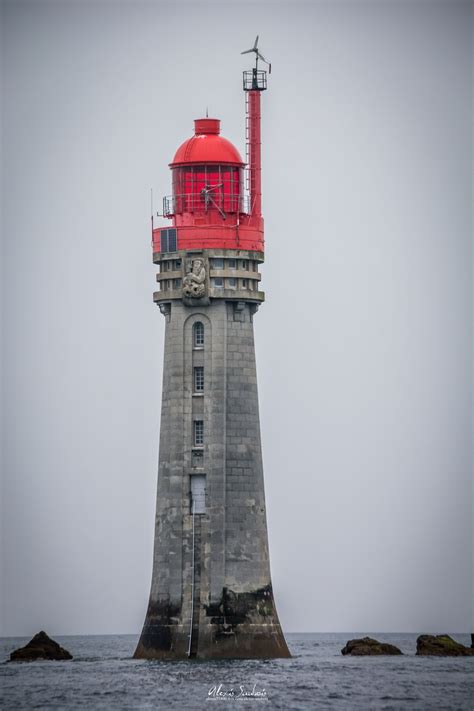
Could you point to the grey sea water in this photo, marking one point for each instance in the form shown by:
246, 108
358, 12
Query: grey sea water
103, 676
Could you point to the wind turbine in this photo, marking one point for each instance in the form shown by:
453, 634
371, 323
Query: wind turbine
258, 55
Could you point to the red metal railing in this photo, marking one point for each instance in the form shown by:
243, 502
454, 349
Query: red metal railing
190, 202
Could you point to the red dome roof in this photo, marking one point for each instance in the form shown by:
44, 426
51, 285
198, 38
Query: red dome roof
207, 146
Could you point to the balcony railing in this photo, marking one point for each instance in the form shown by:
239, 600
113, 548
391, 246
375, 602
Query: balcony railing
255, 79
190, 202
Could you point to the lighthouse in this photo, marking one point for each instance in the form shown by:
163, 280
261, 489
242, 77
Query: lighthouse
211, 592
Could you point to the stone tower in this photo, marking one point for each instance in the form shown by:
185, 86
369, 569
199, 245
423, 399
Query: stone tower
211, 593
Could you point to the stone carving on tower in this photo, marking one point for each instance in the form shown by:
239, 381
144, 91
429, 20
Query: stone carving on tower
194, 283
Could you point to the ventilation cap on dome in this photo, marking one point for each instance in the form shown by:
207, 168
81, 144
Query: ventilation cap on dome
204, 126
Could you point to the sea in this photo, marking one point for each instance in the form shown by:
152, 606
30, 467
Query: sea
103, 675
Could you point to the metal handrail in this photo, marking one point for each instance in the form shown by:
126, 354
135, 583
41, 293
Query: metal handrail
192, 594
254, 79
190, 202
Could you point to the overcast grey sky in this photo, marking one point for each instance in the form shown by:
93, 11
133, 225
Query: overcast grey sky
364, 345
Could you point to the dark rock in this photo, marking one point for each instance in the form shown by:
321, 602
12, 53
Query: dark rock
441, 645
40, 647
368, 646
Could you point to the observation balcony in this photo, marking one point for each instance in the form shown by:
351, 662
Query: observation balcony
190, 202
255, 80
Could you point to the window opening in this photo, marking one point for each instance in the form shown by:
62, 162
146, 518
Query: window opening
198, 432
198, 334
199, 379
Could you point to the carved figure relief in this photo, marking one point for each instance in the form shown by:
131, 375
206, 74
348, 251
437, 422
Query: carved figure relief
194, 283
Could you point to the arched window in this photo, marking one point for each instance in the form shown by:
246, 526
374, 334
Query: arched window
198, 335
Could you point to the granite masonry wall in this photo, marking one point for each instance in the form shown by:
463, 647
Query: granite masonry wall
211, 593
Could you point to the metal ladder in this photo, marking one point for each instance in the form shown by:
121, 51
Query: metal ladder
195, 587
247, 151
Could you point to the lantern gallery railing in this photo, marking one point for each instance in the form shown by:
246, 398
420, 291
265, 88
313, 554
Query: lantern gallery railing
255, 79
205, 201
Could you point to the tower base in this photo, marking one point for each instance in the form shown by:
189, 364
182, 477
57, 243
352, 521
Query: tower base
242, 626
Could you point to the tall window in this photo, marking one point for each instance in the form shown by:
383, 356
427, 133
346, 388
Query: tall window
199, 379
198, 432
198, 335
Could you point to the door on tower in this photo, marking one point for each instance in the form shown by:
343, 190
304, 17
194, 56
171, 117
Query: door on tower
198, 493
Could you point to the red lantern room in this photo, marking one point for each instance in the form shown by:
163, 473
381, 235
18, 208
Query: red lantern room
206, 176
216, 196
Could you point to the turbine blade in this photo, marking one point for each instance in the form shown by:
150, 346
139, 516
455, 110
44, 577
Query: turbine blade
260, 56
256, 42
247, 51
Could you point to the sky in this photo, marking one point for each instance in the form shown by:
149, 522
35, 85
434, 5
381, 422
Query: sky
364, 344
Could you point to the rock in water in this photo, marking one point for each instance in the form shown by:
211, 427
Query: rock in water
441, 645
368, 646
40, 647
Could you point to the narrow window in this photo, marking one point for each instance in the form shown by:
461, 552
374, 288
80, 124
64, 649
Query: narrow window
198, 432
218, 263
177, 264
231, 264
177, 283
198, 493
164, 240
199, 379
172, 239
231, 283
218, 282
244, 283
198, 334
245, 264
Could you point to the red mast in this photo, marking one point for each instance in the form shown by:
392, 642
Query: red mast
255, 81
254, 151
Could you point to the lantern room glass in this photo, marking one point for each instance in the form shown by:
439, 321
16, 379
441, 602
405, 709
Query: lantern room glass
222, 183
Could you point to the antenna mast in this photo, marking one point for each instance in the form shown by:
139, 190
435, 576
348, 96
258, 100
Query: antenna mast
254, 82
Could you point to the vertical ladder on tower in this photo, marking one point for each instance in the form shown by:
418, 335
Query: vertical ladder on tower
247, 151
196, 587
